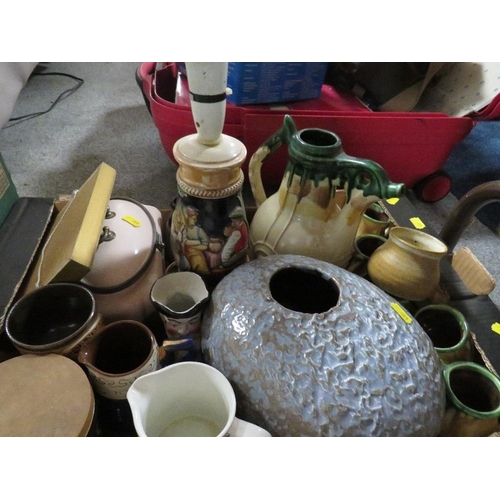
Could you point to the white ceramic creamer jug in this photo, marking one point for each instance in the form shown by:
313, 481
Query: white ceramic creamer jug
187, 399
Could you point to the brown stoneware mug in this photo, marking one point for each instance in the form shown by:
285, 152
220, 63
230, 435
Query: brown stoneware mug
121, 352
58, 318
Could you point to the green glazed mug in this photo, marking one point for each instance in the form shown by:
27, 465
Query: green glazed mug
364, 246
448, 330
473, 400
374, 221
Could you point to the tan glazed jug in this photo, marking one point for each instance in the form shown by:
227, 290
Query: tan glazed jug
407, 265
321, 200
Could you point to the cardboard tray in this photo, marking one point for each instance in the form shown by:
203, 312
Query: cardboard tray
465, 283
464, 280
20, 238
42, 240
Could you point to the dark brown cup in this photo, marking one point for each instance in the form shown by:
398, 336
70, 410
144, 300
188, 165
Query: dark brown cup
57, 318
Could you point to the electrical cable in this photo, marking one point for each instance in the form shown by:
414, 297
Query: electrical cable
63, 95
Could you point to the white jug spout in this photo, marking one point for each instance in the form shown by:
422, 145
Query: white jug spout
139, 398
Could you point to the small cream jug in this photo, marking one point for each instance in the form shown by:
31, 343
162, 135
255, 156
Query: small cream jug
308, 215
187, 399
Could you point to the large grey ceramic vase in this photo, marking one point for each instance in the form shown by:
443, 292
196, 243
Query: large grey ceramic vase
314, 350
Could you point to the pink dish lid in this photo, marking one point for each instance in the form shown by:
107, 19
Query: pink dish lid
127, 244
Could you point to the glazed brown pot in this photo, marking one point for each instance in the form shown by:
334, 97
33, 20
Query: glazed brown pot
407, 266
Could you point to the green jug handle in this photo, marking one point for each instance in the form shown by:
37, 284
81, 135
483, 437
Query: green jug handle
282, 136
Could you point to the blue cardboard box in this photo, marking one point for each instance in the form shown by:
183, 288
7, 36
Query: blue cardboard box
270, 82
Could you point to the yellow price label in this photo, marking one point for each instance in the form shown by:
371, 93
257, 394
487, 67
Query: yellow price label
402, 313
392, 201
417, 222
496, 327
132, 220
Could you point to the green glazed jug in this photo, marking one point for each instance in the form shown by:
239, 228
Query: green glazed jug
321, 199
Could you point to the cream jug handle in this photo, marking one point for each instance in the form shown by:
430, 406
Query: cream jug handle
265, 150
241, 428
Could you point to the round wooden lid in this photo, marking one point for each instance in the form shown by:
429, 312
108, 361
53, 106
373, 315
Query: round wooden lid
48, 395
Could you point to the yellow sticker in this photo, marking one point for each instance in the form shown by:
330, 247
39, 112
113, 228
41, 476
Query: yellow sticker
392, 201
417, 222
131, 220
406, 317
496, 327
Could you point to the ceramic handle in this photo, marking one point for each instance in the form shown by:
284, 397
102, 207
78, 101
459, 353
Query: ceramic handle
279, 138
169, 346
462, 215
240, 428
254, 176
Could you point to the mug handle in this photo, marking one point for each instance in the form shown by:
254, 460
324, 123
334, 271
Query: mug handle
169, 346
241, 428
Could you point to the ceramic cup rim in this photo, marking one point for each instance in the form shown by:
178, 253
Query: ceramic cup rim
179, 276
59, 344
117, 325
363, 237
460, 318
375, 207
468, 365
405, 237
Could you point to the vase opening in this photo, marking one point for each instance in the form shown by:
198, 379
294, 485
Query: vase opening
304, 290
474, 390
318, 137
442, 328
419, 241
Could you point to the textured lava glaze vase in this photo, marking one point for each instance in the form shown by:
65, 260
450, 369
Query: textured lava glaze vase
312, 349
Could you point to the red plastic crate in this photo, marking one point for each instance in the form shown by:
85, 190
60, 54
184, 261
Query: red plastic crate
409, 146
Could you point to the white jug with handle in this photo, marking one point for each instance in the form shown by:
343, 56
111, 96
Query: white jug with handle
187, 399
